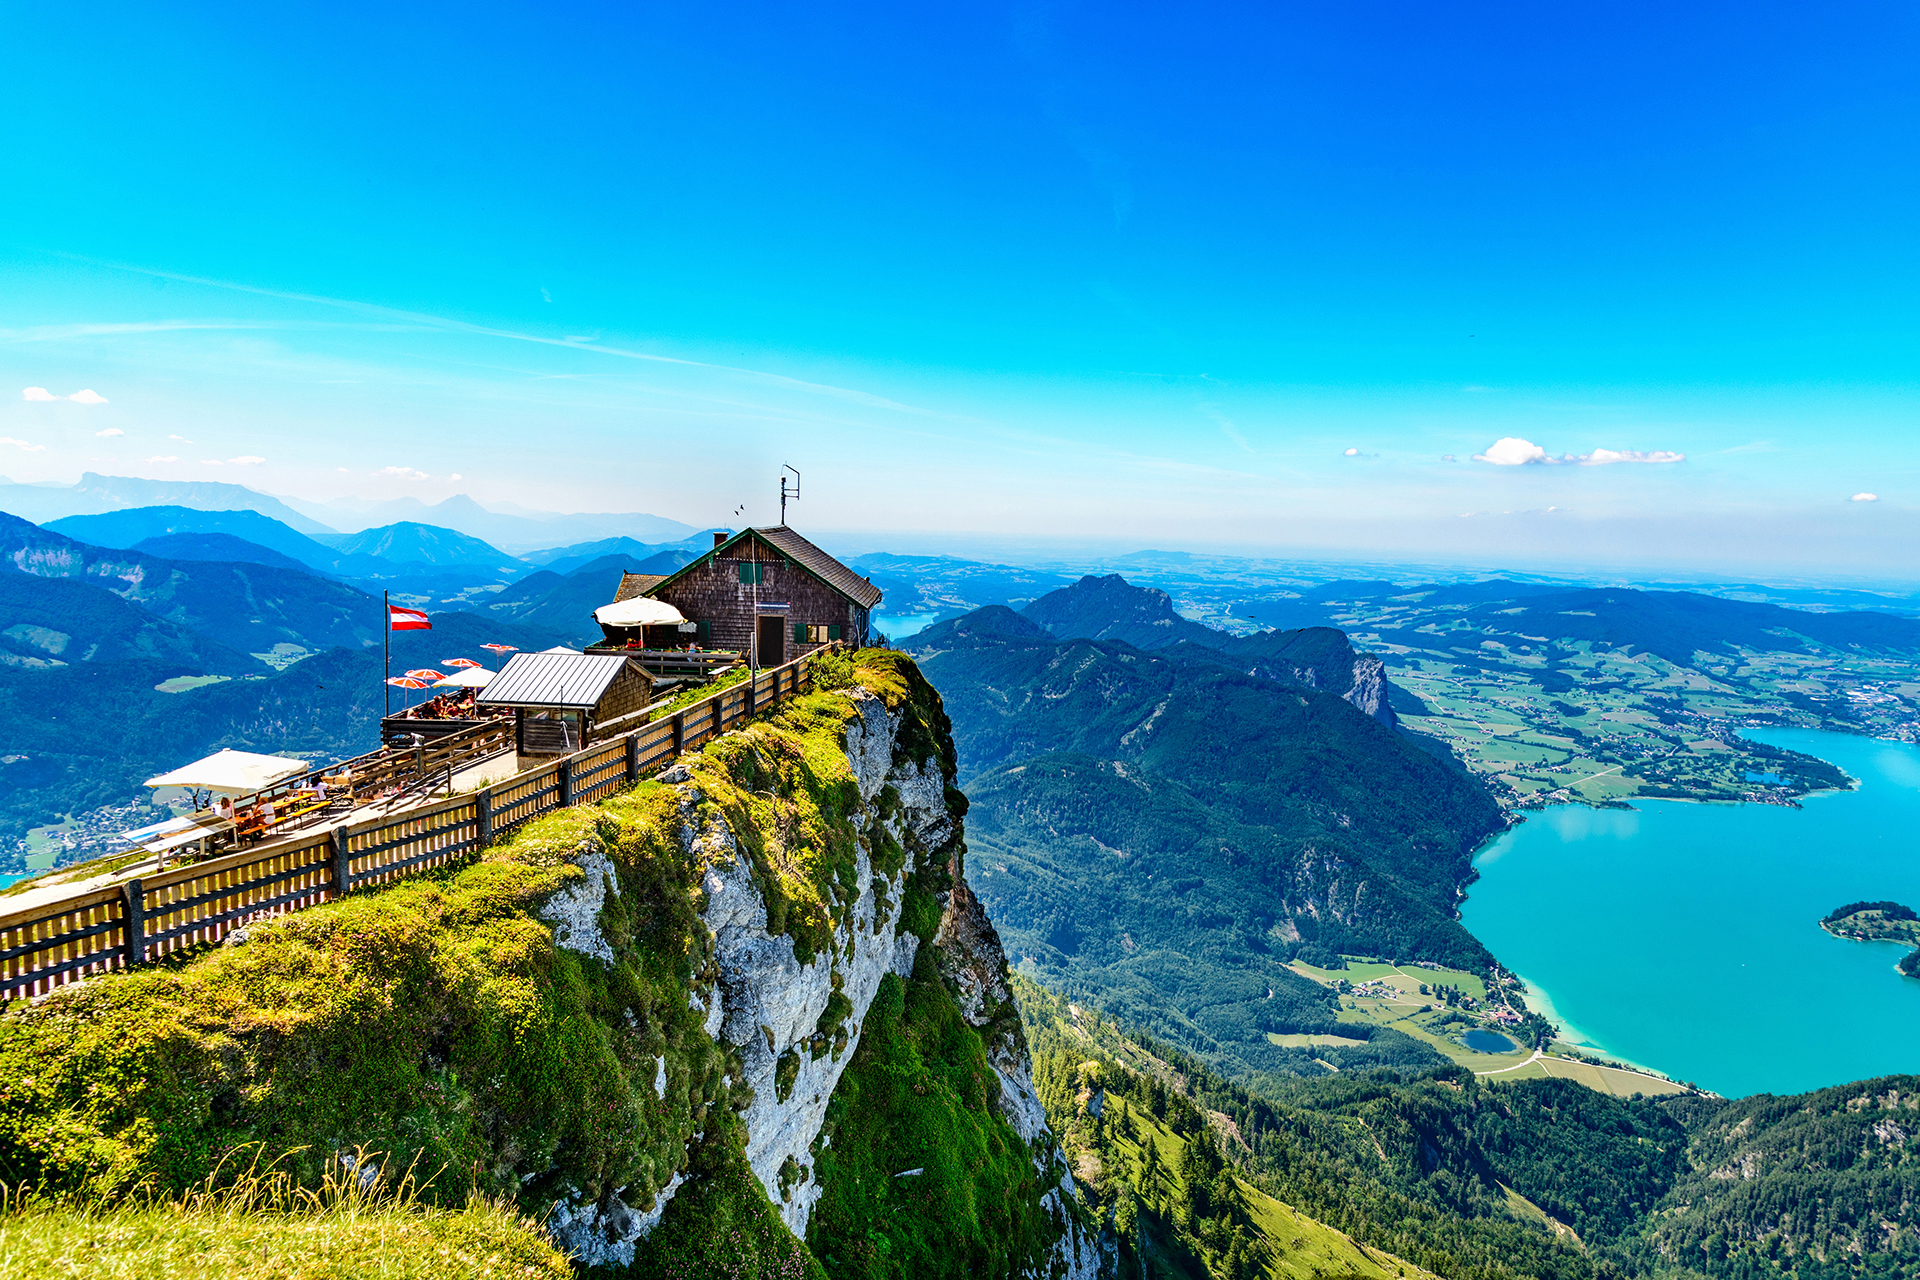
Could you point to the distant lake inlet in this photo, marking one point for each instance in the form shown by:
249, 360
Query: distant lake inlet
1686, 937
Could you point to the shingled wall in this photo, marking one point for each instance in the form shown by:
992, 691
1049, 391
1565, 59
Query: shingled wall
710, 591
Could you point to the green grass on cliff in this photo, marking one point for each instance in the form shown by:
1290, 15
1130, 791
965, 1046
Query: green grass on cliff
255, 1225
919, 1176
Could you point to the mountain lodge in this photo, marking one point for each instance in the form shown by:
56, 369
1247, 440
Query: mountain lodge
766, 592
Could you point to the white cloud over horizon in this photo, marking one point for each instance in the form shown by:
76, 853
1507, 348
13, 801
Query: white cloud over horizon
403, 473
22, 445
1864, 497
246, 460
110, 431
164, 458
1513, 451
41, 395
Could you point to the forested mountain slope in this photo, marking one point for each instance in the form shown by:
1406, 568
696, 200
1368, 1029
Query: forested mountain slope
248, 607
1542, 1178
1167, 833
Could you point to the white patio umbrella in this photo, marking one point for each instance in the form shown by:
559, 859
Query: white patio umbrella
640, 611
466, 678
230, 773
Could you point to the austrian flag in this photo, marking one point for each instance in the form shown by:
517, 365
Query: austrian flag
399, 619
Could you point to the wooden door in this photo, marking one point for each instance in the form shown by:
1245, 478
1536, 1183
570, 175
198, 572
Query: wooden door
773, 641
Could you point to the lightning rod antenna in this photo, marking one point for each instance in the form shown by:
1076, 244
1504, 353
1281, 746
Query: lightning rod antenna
786, 493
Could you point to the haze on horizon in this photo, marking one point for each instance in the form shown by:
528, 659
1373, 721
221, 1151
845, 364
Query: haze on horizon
1627, 288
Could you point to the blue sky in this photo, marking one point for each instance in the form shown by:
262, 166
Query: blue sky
1236, 275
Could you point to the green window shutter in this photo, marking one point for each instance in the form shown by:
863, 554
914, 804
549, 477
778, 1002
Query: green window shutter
799, 633
833, 632
705, 633
746, 573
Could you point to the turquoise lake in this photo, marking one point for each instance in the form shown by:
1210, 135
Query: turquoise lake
1686, 937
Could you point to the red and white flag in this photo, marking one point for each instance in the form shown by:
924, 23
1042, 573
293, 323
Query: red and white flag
399, 619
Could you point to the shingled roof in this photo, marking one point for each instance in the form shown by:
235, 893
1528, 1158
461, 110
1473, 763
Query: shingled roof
637, 584
793, 547
821, 565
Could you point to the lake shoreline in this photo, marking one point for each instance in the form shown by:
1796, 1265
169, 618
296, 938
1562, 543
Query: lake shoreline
1681, 939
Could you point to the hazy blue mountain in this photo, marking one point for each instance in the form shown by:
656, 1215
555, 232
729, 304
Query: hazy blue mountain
97, 493
51, 622
216, 546
1109, 608
408, 543
565, 602
632, 555
512, 527
247, 607
1165, 832
128, 528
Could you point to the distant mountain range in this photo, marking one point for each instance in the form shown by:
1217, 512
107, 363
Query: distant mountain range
517, 530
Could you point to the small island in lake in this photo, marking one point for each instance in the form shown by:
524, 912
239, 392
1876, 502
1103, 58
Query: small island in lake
1879, 922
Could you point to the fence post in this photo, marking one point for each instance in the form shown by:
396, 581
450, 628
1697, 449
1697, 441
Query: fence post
633, 756
679, 732
342, 864
566, 782
136, 905
483, 816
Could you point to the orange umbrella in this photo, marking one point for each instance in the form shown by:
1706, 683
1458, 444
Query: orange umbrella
458, 662
427, 674
406, 682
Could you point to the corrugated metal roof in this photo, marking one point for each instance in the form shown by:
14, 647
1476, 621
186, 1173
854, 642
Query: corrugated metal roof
553, 680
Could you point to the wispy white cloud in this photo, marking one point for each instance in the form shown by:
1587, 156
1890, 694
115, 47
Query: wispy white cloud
212, 462
23, 445
44, 396
181, 439
449, 325
454, 477
164, 457
1514, 451
246, 460
1447, 457
403, 473
110, 431
1864, 497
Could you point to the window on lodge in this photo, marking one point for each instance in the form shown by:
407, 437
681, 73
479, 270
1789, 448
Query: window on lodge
810, 633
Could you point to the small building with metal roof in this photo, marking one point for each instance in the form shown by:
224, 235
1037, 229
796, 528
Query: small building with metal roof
562, 700
767, 592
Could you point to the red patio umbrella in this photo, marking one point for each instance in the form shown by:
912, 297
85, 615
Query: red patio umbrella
427, 673
406, 682
458, 662
502, 649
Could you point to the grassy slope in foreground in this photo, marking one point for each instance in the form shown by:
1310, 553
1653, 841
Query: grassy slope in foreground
261, 1227
436, 1019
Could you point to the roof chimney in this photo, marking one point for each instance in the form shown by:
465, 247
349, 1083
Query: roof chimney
720, 537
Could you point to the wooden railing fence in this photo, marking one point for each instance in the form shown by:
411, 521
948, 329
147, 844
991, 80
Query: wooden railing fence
139, 921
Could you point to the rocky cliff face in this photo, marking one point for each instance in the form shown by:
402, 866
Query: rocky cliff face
796, 1024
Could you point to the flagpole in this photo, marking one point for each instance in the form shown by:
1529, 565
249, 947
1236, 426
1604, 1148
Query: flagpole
386, 649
